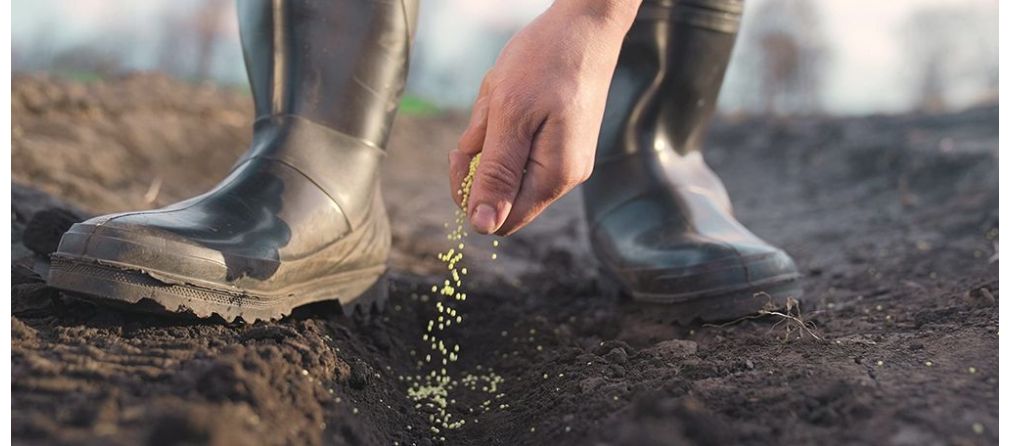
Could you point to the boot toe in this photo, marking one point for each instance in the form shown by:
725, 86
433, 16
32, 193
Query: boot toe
159, 253
668, 269
769, 265
751, 273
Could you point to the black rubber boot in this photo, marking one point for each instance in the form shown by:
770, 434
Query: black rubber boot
660, 220
300, 218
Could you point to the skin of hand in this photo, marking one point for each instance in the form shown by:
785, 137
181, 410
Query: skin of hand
537, 116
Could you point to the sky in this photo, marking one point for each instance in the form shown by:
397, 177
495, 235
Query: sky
869, 70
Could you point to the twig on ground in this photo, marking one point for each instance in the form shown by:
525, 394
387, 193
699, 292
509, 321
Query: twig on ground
791, 316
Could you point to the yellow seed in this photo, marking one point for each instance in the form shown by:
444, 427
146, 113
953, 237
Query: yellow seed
433, 389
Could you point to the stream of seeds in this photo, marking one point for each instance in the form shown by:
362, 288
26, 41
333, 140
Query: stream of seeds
433, 389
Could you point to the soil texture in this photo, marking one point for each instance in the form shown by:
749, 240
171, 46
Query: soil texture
891, 218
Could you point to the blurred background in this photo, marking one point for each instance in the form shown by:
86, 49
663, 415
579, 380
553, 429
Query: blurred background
793, 57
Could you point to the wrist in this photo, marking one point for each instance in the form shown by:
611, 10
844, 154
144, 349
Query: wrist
619, 13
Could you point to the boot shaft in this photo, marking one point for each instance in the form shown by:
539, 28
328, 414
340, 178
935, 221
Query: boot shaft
326, 78
338, 63
668, 76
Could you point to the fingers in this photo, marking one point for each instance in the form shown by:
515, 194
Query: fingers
459, 166
470, 143
511, 124
511, 187
473, 137
535, 193
550, 174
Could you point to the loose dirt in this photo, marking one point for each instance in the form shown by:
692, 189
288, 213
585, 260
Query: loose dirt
891, 218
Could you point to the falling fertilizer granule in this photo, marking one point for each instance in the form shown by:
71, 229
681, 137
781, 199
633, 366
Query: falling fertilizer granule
433, 389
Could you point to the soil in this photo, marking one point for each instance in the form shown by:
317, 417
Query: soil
891, 218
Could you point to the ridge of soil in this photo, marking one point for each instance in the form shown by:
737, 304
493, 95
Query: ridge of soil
891, 218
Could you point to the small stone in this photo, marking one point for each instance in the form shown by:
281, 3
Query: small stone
589, 384
359, 375
987, 297
617, 355
617, 371
675, 348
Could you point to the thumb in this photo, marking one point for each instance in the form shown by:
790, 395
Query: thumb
500, 171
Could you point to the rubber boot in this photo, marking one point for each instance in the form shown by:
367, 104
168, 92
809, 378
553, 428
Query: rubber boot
300, 218
660, 221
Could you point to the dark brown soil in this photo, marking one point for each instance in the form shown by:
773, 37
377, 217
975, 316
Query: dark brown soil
892, 219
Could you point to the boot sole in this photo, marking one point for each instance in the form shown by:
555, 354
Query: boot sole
128, 286
713, 305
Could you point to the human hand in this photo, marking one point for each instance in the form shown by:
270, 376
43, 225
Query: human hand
537, 116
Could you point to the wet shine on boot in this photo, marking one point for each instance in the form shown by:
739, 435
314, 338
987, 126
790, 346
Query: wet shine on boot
300, 218
660, 221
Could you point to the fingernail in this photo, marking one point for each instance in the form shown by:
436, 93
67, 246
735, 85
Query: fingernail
484, 218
